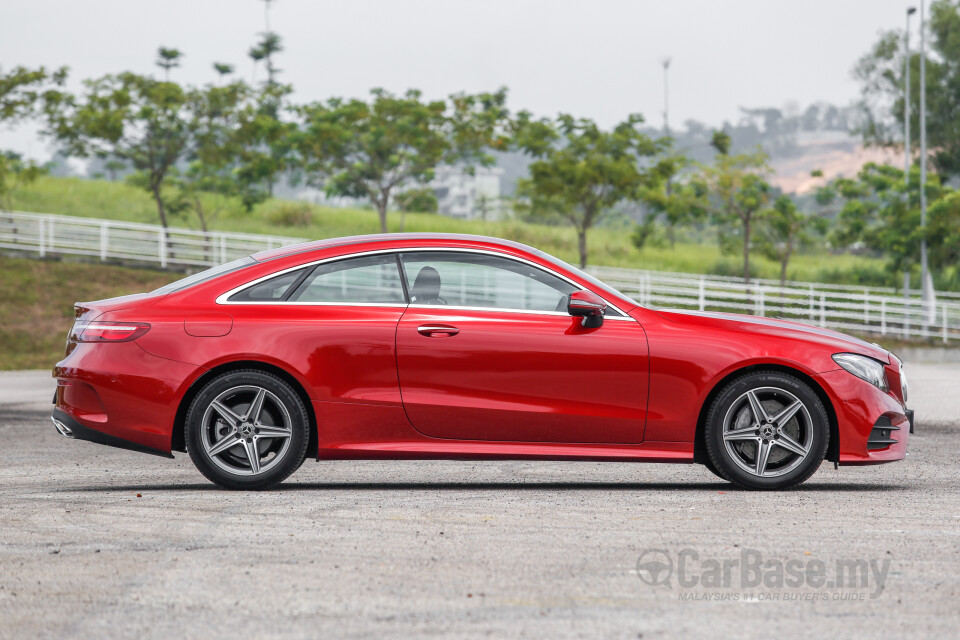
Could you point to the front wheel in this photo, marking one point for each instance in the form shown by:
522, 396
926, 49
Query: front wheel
247, 429
767, 430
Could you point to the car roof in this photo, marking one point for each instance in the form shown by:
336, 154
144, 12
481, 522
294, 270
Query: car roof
384, 238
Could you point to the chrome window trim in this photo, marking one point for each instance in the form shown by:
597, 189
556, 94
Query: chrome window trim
223, 299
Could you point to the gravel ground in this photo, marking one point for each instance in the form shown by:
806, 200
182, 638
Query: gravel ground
96, 542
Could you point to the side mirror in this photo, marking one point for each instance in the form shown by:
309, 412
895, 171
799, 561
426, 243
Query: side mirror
588, 306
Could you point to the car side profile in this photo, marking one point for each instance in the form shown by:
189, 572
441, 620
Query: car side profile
442, 346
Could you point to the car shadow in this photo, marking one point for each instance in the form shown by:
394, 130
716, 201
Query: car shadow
501, 486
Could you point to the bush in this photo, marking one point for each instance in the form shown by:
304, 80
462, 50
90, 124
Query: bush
867, 276
290, 214
732, 268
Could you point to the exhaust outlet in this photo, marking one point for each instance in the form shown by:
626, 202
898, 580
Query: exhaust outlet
63, 429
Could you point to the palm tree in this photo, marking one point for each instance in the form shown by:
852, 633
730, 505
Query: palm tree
264, 50
256, 54
168, 59
223, 69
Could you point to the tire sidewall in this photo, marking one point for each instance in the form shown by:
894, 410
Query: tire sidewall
718, 410
299, 437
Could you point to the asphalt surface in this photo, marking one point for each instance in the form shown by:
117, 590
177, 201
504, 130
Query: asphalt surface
97, 542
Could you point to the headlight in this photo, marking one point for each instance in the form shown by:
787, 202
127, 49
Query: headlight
903, 385
865, 368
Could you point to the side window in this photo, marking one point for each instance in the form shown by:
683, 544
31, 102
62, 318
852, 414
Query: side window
366, 280
481, 280
272, 290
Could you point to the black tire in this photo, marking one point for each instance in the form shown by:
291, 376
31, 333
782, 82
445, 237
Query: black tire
276, 438
742, 438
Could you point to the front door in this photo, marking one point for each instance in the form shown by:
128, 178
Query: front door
486, 351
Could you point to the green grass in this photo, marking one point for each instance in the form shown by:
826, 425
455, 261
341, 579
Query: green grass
608, 246
36, 303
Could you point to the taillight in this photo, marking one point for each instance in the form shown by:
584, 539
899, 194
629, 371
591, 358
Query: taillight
111, 331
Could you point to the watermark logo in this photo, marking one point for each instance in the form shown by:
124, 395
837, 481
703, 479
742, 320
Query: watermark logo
655, 566
839, 579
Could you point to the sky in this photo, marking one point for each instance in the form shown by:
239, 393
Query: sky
600, 59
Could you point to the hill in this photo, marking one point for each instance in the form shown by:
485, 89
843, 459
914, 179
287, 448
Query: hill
609, 245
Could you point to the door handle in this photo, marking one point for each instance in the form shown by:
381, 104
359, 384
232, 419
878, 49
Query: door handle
437, 330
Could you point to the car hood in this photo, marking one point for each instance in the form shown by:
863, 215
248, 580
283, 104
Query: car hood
784, 328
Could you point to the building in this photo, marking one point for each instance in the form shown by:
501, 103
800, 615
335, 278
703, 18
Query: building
469, 197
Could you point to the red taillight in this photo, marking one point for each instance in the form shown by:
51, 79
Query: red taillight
111, 331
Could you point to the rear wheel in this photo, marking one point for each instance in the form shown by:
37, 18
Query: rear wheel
247, 429
767, 430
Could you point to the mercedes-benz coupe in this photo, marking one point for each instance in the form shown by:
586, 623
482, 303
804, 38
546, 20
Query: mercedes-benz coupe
415, 346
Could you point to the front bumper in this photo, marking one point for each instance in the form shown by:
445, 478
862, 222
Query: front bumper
859, 408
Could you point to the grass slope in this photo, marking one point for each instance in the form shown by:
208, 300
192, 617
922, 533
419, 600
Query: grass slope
36, 303
608, 246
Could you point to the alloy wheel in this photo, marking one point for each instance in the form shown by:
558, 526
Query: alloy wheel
768, 432
246, 430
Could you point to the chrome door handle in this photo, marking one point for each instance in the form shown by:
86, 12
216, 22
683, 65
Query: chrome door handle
437, 330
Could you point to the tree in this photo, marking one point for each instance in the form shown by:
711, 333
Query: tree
113, 166
881, 75
168, 59
581, 171
14, 174
737, 192
678, 203
881, 210
422, 200
265, 49
24, 92
211, 178
486, 204
133, 118
265, 142
645, 233
785, 229
373, 149
222, 68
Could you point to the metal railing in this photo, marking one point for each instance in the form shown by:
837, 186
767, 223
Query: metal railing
47, 234
857, 309
869, 310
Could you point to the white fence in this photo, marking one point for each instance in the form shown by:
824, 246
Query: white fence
858, 309
128, 241
847, 308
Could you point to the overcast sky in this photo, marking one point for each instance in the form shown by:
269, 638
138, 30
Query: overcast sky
600, 59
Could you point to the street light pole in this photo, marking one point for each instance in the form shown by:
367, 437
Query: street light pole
907, 97
925, 284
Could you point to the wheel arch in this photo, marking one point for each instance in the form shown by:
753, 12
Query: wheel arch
177, 442
699, 442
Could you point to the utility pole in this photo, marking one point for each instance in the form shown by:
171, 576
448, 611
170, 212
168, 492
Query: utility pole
926, 282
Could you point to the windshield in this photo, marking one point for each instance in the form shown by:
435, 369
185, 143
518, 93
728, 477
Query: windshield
196, 278
599, 284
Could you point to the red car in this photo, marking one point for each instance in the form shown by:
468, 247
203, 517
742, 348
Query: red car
462, 347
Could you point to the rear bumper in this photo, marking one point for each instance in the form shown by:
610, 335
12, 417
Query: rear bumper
67, 426
122, 393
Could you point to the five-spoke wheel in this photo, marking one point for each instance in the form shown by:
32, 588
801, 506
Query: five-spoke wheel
766, 430
247, 430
